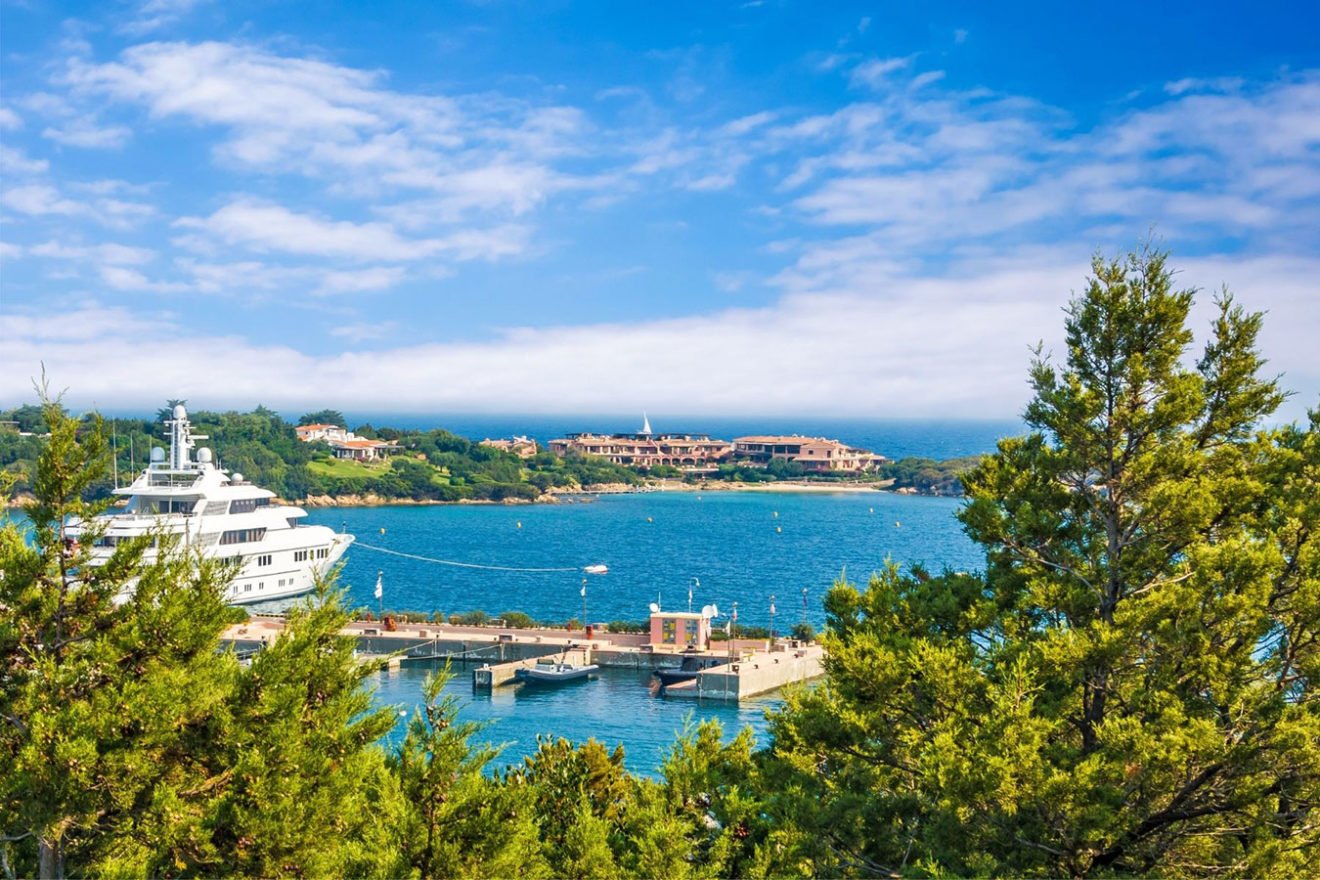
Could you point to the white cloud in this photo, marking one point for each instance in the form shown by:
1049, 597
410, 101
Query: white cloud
9, 119
307, 117
872, 349
40, 200
875, 72
109, 253
14, 161
125, 279
10, 251
87, 134
269, 228
362, 280
364, 332
46, 201
151, 15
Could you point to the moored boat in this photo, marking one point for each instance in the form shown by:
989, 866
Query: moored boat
555, 673
690, 668
179, 501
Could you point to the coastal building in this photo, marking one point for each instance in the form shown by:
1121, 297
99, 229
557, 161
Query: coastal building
309, 433
689, 452
523, 447
344, 443
815, 454
361, 449
680, 630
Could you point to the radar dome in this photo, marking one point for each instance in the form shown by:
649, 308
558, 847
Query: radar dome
180, 412
157, 454
235, 478
204, 455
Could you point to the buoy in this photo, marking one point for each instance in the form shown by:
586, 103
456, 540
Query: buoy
775, 514
520, 524
382, 530
778, 529
873, 510
897, 524
648, 519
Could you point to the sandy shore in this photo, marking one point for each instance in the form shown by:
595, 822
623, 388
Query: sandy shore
784, 486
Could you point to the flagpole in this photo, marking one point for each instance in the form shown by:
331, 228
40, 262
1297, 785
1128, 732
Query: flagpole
380, 595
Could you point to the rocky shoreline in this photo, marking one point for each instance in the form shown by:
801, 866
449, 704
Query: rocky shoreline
562, 495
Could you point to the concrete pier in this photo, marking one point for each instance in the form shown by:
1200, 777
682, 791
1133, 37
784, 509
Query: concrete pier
755, 673
749, 666
486, 677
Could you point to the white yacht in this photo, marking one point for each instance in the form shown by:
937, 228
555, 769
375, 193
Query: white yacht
224, 516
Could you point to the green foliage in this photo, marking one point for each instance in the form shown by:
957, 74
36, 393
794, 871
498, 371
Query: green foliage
459, 822
104, 701
324, 417
1129, 688
517, 620
927, 475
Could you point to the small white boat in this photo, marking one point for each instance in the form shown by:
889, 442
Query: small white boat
555, 673
598, 568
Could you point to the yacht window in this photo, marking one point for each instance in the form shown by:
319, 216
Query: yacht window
247, 505
169, 505
263, 560
242, 536
247, 588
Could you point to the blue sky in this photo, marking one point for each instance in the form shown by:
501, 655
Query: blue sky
857, 209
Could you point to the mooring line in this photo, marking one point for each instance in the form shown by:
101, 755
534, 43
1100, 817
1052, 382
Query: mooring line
455, 564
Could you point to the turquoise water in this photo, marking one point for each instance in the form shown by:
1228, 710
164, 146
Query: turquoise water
619, 707
741, 546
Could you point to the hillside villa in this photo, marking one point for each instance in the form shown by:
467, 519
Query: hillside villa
345, 444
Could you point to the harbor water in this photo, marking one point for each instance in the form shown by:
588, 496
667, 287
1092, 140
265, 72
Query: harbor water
728, 546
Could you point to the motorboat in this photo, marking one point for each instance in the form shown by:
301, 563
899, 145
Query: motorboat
555, 673
179, 501
689, 669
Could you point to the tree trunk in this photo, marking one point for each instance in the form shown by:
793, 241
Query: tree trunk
51, 866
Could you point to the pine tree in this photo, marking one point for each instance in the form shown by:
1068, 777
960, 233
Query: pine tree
459, 821
302, 784
1130, 686
100, 699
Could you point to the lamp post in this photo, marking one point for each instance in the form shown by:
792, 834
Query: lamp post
772, 618
733, 630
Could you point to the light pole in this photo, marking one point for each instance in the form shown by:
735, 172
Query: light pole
772, 618
696, 582
584, 603
733, 630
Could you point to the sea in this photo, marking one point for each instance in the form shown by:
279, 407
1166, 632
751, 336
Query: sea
772, 554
